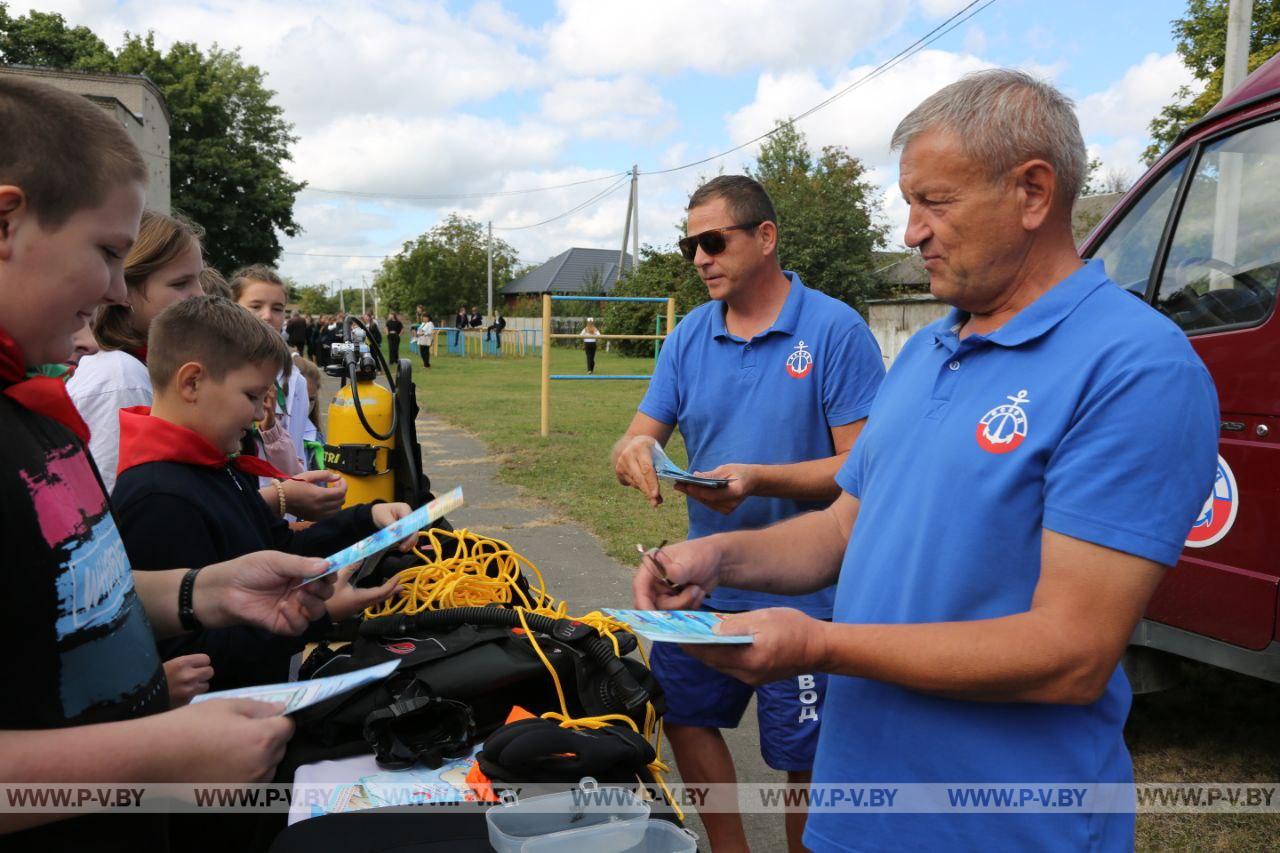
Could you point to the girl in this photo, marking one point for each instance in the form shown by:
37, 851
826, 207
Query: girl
589, 335
424, 337
162, 267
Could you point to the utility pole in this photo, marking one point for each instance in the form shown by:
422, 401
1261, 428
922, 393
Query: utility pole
626, 227
1226, 224
635, 216
490, 252
1235, 65
364, 285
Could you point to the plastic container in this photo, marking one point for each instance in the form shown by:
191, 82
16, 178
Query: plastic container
612, 819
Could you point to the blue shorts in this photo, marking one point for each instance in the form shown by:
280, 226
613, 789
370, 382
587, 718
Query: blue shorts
788, 710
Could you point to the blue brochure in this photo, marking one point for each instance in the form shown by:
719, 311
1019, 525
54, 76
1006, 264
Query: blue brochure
668, 470
678, 626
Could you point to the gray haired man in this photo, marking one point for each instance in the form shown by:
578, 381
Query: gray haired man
1002, 524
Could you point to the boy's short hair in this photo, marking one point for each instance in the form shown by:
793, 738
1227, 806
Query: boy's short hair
254, 272
64, 152
215, 332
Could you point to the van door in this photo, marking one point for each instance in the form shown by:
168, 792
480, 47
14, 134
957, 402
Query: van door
1218, 282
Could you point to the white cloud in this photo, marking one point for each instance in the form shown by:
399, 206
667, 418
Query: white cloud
451, 154
942, 8
1127, 106
592, 38
862, 120
624, 108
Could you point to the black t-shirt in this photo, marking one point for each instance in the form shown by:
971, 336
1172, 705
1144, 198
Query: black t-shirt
394, 327
79, 648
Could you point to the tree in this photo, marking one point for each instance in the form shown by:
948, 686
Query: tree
445, 268
657, 274
228, 141
313, 299
828, 215
1201, 37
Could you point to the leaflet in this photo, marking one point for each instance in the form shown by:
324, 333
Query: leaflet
421, 517
678, 626
668, 470
296, 695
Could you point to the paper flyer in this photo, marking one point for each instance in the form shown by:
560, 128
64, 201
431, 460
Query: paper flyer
668, 470
296, 695
678, 626
421, 517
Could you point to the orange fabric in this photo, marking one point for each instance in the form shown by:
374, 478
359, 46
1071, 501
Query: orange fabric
476, 780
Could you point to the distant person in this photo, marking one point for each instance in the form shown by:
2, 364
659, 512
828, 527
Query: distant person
475, 319
394, 328
499, 323
295, 332
424, 337
375, 333
460, 322
589, 335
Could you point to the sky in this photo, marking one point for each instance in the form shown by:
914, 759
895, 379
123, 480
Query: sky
396, 98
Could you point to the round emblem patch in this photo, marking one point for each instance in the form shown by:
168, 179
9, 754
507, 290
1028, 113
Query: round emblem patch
800, 362
1003, 428
1219, 512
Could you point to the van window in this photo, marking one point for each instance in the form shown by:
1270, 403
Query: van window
1224, 259
1130, 249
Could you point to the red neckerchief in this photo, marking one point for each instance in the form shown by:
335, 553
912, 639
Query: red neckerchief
140, 354
44, 395
146, 439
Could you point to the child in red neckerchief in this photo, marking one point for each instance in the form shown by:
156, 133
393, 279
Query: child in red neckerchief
185, 496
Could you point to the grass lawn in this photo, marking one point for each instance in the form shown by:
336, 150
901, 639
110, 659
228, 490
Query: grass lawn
1214, 727
498, 400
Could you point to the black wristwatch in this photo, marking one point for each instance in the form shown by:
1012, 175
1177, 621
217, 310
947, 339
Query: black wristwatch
186, 609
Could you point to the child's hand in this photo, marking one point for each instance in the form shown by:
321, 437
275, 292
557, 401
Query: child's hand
348, 600
314, 495
188, 677
385, 514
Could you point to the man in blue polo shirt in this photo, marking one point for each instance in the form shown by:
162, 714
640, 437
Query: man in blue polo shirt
770, 383
1031, 466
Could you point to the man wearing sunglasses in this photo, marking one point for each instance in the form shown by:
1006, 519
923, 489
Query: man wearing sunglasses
770, 383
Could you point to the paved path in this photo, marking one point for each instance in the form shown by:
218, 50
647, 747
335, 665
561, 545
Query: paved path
574, 565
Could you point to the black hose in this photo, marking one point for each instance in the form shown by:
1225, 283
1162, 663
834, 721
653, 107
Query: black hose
597, 648
355, 385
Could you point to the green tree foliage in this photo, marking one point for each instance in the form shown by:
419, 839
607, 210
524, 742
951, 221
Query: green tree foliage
1201, 36
828, 215
445, 268
312, 299
228, 141
658, 274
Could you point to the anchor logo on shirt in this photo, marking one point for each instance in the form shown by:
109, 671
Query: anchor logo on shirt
800, 362
1003, 428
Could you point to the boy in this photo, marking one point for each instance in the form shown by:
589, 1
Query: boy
184, 495
79, 622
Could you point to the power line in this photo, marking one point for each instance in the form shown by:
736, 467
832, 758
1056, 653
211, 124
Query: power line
901, 56
626, 176
463, 196
324, 255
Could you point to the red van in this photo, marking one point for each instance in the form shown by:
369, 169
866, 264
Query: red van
1198, 237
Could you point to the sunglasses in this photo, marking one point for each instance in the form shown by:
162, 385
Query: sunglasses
712, 241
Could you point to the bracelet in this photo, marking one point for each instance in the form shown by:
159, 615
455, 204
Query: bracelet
280, 493
186, 607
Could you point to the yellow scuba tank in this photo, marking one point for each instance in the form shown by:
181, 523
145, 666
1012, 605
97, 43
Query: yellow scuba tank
363, 460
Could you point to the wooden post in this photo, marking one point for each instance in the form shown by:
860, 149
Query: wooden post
671, 314
546, 364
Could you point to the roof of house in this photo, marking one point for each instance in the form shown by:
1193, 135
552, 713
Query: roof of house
572, 271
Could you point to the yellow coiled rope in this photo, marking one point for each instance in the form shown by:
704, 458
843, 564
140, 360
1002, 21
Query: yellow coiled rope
486, 571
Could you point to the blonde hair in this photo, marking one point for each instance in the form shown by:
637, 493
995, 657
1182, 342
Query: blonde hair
162, 239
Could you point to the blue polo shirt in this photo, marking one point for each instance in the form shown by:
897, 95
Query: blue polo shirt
1088, 414
771, 400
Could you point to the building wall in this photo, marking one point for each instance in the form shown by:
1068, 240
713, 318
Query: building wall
894, 321
136, 104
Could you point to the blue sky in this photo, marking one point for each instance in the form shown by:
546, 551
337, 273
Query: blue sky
437, 97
